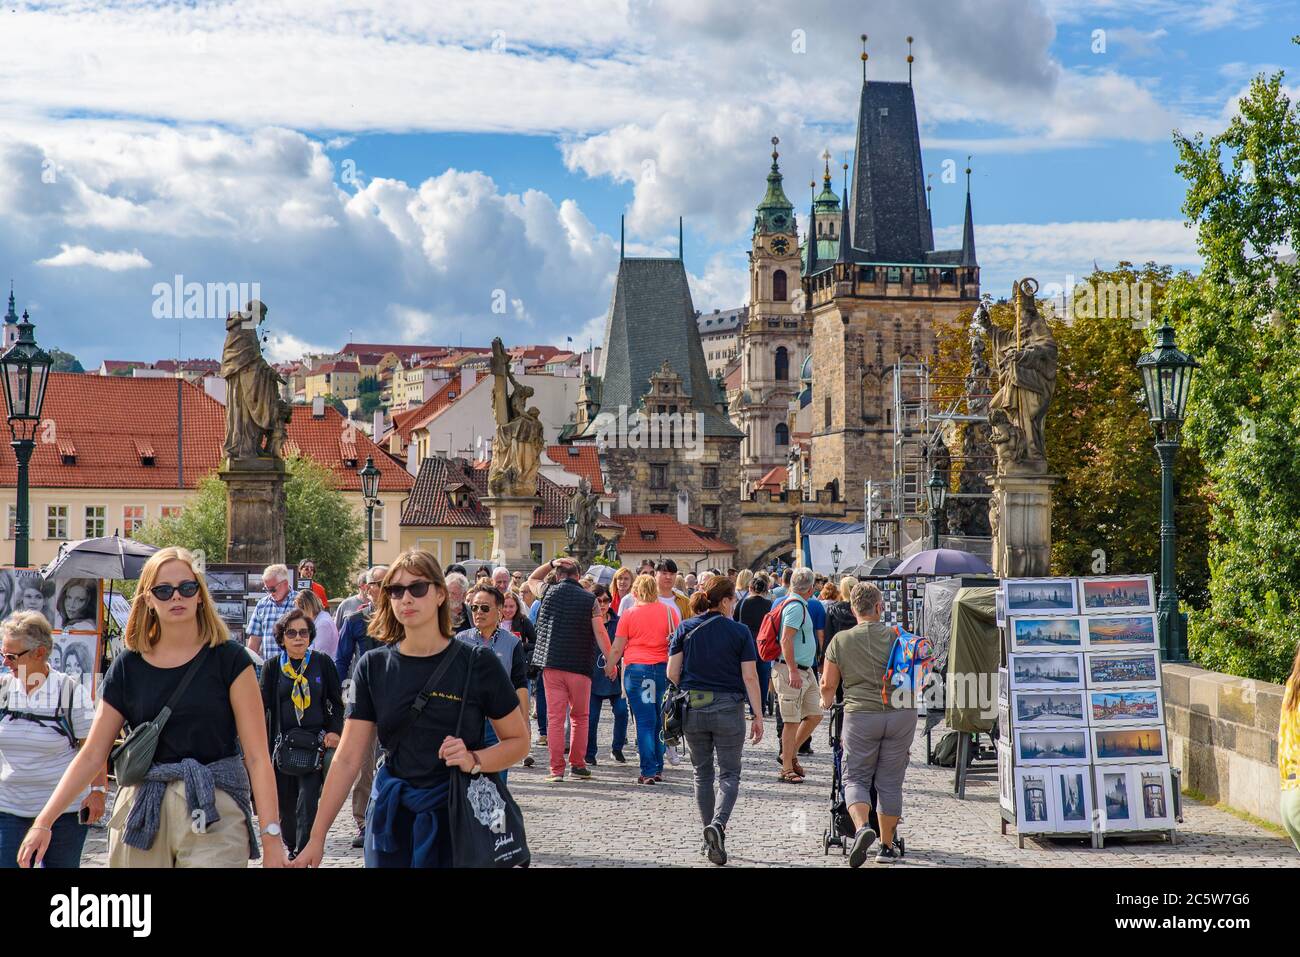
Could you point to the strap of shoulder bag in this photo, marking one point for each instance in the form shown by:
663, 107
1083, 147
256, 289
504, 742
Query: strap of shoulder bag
464, 692
190, 672
425, 694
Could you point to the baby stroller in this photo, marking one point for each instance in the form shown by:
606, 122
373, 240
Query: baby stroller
840, 833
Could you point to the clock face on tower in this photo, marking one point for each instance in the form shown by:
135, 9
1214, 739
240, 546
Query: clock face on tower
779, 246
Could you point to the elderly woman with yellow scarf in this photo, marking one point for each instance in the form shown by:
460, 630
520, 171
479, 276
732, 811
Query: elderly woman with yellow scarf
304, 702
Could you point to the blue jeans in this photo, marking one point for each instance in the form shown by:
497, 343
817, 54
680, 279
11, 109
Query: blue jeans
539, 695
764, 682
619, 706
66, 840
490, 738
646, 686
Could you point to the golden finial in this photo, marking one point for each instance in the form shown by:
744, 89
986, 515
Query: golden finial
909, 61
864, 58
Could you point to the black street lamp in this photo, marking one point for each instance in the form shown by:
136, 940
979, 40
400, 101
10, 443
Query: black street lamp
570, 530
1166, 379
836, 554
937, 491
26, 369
370, 492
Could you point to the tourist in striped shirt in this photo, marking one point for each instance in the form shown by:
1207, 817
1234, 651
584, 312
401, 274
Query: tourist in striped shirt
274, 605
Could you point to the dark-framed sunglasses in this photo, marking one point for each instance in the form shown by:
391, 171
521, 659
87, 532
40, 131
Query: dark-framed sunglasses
417, 589
297, 633
483, 608
164, 592
12, 656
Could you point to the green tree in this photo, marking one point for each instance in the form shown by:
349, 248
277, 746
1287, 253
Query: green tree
320, 524
367, 384
64, 361
1239, 318
1106, 509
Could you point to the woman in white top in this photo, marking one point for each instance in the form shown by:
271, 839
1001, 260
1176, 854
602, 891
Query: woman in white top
44, 718
327, 633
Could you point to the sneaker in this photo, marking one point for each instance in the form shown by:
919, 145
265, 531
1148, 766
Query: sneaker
862, 842
582, 774
806, 748
673, 757
618, 756
888, 854
715, 842
642, 779
541, 740
555, 779
360, 839
528, 761
591, 760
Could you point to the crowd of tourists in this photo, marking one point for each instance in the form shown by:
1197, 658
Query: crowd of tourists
418, 675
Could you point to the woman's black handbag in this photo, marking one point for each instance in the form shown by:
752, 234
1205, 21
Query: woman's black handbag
297, 752
677, 703
487, 827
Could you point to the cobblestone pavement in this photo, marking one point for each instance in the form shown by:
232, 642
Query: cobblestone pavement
610, 821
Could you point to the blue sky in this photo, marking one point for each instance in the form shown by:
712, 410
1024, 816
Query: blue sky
495, 146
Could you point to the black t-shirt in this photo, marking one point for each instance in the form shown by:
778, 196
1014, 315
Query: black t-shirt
202, 724
325, 710
751, 610
385, 686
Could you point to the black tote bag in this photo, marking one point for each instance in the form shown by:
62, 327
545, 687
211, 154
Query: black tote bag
487, 827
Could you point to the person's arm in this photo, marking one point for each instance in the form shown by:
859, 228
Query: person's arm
675, 667
620, 641
334, 696
749, 672
830, 681
513, 741
347, 646
254, 638
787, 650
541, 571
353, 751
89, 765
250, 722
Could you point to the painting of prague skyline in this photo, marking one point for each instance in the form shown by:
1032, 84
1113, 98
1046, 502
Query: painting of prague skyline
1110, 708
1136, 669
1041, 596
1130, 745
1118, 595
1046, 671
1121, 633
1046, 634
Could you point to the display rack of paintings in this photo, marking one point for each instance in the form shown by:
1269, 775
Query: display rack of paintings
74, 609
1085, 749
236, 589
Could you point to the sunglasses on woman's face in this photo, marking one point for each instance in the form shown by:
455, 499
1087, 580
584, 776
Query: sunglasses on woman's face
417, 589
297, 633
164, 592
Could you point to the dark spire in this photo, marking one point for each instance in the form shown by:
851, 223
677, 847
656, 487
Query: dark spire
680, 245
11, 316
846, 232
864, 59
811, 267
621, 246
968, 229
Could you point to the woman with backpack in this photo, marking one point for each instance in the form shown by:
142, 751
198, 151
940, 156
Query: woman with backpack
750, 612
303, 698
879, 725
641, 645
712, 658
44, 718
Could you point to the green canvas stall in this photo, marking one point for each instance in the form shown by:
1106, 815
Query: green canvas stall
974, 655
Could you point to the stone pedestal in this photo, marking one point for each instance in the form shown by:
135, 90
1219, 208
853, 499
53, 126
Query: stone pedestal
255, 510
1021, 510
512, 530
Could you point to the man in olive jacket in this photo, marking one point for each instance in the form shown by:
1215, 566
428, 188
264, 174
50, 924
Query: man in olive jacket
570, 626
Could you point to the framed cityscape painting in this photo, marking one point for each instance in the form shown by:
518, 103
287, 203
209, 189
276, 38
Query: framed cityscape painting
1143, 745
1033, 800
1117, 595
1125, 707
1135, 670
1059, 708
1154, 797
1006, 779
1051, 746
1041, 596
1004, 685
1071, 797
1056, 671
1115, 799
1000, 608
1039, 635
1120, 632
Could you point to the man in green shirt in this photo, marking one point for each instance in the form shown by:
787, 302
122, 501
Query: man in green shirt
796, 683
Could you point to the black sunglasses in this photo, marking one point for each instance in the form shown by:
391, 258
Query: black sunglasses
297, 633
485, 608
12, 656
417, 589
164, 592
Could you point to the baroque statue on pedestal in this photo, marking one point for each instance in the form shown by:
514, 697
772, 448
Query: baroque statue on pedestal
517, 445
256, 415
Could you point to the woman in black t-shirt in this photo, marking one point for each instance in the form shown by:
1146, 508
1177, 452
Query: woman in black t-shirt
406, 822
173, 623
300, 690
750, 612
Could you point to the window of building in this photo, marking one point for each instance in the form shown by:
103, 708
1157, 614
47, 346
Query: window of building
711, 476
465, 550
654, 510
782, 364
658, 476
826, 412
947, 275
918, 274
535, 552
778, 285
893, 274
132, 518
96, 521
711, 516
782, 434
170, 511
56, 521
377, 524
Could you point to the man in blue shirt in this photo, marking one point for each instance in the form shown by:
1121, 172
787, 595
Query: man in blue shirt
796, 682
485, 603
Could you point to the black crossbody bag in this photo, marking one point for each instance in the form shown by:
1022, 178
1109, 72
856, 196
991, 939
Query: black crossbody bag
677, 702
487, 827
297, 752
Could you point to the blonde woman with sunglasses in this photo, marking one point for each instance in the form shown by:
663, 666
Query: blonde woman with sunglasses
407, 818
194, 807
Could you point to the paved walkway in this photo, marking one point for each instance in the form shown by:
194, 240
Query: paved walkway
611, 821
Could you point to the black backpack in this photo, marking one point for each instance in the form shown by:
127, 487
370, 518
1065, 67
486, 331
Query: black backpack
61, 720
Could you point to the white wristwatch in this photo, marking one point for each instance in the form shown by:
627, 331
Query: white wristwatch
98, 789
272, 829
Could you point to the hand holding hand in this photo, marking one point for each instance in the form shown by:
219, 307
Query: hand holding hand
331, 740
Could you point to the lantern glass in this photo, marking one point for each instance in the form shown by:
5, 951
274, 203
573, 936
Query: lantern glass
937, 491
370, 480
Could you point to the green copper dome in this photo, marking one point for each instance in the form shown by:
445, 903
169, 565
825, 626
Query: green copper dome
775, 213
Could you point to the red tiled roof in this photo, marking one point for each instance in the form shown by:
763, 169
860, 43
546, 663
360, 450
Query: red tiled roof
326, 440
188, 365
775, 479
116, 365
430, 505
669, 535
402, 352
405, 422
343, 365
105, 420
581, 460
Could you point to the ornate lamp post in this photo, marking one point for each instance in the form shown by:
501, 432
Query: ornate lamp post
1166, 379
937, 491
836, 554
370, 492
571, 530
26, 369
